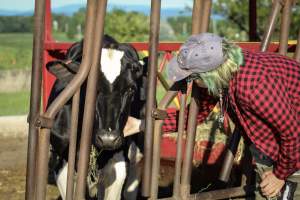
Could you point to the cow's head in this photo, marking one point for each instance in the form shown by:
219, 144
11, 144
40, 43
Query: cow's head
117, 88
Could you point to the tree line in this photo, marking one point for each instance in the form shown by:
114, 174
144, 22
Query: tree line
230, 19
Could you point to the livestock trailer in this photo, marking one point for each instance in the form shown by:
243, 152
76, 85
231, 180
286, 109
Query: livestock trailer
158, 145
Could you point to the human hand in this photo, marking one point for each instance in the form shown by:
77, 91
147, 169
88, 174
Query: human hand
270, 184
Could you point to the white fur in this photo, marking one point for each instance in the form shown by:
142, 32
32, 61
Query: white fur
134, 172
111, 63
61, 181
115, 175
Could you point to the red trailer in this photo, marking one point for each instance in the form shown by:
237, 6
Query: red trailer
56, 50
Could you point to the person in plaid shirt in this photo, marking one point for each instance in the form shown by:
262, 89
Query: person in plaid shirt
261, 94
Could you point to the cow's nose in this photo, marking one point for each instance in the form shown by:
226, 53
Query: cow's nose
109, 140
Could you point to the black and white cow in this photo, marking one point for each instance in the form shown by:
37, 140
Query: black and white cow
120, 93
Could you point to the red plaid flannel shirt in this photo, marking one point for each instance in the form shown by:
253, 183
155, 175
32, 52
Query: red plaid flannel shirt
265, 97
206, 105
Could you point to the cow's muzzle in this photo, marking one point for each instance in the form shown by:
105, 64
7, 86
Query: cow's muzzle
109, 140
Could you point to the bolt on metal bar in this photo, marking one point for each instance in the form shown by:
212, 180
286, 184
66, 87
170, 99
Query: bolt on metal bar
167, 99
35, 95
90, 101
297, 52
72, 145
151, 93
179, 149
276, 7
72, 87
285, 26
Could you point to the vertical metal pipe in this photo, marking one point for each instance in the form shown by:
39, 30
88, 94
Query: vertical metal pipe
190, 142
276, 7
285, 26
90, 101
252, 20
44, 136
297, 52
206, 15
151, 92
197, 15
35, 95
178, 162
72, 146
230, 154
193, 112
156, 147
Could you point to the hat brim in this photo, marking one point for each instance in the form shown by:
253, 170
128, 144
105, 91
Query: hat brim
175, 73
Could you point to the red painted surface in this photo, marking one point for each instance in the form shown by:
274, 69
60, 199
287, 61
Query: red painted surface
203, 149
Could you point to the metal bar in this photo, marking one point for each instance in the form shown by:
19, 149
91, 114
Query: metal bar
297, 52
179, 149
220, 194
252, 21
190, 142
193, 110
35, 95
72, 87
90, 101
72, 145
276, 7
197, 15
206, 15
285, 26
151, 93
167, 99
230, 154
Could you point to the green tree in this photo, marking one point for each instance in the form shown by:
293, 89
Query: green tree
122, 25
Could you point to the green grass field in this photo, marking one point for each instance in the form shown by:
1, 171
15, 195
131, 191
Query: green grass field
15, 50
16, 103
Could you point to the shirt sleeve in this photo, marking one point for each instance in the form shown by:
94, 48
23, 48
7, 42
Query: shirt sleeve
206, 104
271, 104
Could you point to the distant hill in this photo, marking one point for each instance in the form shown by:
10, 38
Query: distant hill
70, 9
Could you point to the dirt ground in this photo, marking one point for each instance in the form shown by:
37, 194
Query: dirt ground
13, 169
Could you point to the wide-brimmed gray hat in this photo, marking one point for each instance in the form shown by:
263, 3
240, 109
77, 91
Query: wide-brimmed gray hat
200, 53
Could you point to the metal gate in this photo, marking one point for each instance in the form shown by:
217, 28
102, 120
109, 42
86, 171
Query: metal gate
41, 122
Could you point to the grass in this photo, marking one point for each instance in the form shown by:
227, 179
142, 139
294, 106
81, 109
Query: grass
16, 103
15, 50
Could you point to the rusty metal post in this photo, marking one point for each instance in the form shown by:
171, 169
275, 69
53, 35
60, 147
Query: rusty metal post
193, 111
276, 7
230, 154
179, 149
190, 142
72, 87
35, 95
252, 20
72, 145
151, 93
90, 101
167, 99
197, 15
285, 26
205, 16
297, 52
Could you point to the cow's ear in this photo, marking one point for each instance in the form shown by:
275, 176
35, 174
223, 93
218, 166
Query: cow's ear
61, 70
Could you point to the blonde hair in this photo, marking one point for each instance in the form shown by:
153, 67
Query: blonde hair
219, 78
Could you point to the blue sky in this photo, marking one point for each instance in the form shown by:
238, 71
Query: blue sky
25, 5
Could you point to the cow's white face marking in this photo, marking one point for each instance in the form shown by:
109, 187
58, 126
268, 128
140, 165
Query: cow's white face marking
111, 63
